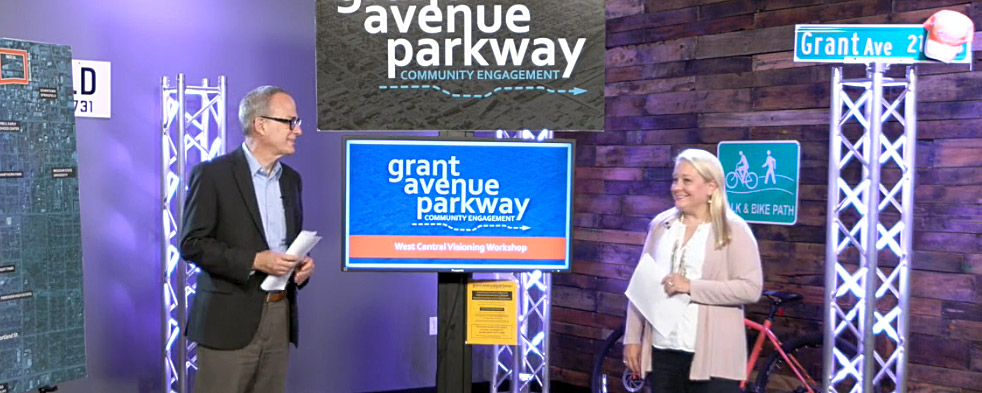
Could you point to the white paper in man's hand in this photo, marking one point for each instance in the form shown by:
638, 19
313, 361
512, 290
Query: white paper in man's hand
648, 295
302, 245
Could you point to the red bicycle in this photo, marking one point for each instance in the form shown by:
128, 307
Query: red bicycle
784, 369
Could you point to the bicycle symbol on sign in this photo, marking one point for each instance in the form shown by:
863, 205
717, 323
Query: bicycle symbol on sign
748, 179
742, 175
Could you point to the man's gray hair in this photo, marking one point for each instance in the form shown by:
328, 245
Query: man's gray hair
255, 104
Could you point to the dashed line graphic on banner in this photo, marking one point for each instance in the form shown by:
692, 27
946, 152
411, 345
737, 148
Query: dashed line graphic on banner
574, 91
427, 224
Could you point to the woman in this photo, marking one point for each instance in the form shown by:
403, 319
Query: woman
714, 270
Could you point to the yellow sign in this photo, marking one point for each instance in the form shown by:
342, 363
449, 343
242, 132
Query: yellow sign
492, 312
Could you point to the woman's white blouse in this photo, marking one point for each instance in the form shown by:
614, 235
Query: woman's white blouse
692, 254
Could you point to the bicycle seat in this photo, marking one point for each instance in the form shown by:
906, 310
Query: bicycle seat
779, 298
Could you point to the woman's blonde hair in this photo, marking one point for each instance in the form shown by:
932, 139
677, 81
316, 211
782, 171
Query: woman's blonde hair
711, 170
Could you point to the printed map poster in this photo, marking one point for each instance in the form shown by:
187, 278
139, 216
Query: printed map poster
466, 205
42, 337
476, 65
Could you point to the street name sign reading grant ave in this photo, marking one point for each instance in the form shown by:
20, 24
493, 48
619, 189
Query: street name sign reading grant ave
761, 179
893, 44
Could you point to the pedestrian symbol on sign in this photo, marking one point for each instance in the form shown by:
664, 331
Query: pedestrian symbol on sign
770, 164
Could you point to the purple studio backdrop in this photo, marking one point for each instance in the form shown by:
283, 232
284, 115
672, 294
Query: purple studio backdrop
359, 331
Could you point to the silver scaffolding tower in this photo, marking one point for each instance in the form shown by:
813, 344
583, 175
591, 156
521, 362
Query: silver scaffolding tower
531, 365
869, 231
193, 126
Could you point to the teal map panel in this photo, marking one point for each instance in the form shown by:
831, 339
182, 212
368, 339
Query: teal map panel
42, 336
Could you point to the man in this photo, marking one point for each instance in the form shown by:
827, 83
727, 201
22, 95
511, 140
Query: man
243, 210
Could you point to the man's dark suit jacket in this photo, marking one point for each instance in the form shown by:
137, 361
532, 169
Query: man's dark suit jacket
222, 233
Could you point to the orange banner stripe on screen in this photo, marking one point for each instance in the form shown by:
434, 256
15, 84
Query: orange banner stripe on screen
457, 247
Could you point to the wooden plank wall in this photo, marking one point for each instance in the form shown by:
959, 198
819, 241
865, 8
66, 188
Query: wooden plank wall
690, 73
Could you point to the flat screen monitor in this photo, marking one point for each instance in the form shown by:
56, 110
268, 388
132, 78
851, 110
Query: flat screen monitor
457, 205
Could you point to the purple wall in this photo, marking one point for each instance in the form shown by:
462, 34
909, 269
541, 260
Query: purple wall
359, 332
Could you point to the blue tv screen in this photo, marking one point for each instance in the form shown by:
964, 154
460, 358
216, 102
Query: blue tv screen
427, 204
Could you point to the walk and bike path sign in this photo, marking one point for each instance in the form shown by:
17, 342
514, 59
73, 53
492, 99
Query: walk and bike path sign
762, 179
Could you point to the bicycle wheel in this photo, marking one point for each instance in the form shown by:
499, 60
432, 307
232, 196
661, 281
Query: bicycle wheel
609, 375
731, 180
751, 180
777, 376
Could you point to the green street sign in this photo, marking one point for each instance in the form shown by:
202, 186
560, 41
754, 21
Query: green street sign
762, 179
893, 44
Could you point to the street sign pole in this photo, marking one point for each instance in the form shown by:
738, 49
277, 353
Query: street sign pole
867, 308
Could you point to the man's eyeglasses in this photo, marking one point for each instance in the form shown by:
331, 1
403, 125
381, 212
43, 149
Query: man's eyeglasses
293, 123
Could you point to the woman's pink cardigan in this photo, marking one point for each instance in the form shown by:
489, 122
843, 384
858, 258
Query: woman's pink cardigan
731, 277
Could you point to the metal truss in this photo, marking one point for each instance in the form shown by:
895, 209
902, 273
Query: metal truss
869, 232
193, 130
531, 367
525, 134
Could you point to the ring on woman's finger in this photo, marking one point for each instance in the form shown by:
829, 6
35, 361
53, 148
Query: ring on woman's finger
671, 283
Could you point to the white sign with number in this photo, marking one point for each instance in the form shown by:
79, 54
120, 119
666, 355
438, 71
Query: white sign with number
92, 86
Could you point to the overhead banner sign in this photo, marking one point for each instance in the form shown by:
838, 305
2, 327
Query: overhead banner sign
91, 83
762, 179
460, 66
892, 44
492, 313
42, 334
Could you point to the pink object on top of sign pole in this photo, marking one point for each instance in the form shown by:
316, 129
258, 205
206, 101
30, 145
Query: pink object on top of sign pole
947, 31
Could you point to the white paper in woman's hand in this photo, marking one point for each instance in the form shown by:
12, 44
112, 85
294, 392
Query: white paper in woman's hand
648, 295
